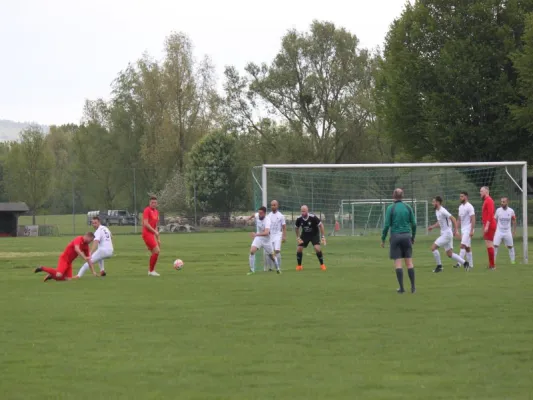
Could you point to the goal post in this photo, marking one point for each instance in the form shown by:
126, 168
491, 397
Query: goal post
338, 192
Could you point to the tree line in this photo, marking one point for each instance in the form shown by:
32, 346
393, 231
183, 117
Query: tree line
454, 82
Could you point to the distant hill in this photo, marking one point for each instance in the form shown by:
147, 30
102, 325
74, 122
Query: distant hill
9, 130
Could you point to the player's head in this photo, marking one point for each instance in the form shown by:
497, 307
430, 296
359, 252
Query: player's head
305, 211
88, 237
153, 202
95, 222
463, 196
484, 191
504, 201
437, 202
261, 211
274, 205
397, 195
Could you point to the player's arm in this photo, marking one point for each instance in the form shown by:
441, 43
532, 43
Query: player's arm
472, 224
266, 232
386, 226
513, 222
431, 227
413, 226
455, 225
146, 224
86, 256
95, 245
322, 232
297, 231
283, 230
489, 214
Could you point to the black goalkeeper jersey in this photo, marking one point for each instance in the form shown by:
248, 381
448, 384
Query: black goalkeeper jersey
309, 226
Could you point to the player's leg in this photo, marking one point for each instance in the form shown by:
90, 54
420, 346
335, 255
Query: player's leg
300, 254
251, 259
395, 253
497, 241
456, 257
153, 246
509, 242
441, 240
276, 243
319, 254
267, 247
95, 257
489, 243
50, 272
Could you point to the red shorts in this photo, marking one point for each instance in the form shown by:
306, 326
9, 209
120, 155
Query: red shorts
150, 241
489, 235
65, 268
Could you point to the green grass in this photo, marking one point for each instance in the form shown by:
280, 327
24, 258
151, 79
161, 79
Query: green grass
211, 332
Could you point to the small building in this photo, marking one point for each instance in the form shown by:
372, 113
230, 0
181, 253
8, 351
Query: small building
9, 214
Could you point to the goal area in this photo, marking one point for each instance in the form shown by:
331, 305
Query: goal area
351, 199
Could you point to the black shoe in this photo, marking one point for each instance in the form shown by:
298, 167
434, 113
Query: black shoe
400, 290
270, 270
38, 269
413, 290
47, 278
466, 266
457, 265
438, 269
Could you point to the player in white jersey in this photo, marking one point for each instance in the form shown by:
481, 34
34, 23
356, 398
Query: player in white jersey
262, 240
104, 241
466, 223
505, 228
445, 221
278, 229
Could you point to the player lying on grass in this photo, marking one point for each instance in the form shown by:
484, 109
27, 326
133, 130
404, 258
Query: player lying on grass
310, 226
102, 247
78, 247
446, 235
262, 240
505, 228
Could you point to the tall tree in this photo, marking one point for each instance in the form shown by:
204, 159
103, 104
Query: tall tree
29, 166
320, 82
447, 80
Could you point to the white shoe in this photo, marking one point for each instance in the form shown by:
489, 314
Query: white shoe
153, 273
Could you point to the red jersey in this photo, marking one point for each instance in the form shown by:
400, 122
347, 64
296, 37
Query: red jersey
487, 214
152, 216
70, 254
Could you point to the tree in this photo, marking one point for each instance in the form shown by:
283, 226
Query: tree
447, 80
29, 169
320, 83
214, 173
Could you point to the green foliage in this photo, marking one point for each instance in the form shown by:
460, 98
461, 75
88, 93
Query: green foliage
29, 166
215, 174
447, 80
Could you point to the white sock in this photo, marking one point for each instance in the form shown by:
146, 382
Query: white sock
275, 261
83, 269
462, 254
470, 259
436, 254
495, 251
101, 265
512, 254
457, 258
252, 262
278, 256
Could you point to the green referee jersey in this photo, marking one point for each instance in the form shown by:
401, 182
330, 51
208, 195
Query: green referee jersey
401, 221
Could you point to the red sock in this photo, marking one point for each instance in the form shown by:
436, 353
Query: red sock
490, 250
153, 261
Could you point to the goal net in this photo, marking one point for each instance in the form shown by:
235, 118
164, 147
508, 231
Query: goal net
351, 199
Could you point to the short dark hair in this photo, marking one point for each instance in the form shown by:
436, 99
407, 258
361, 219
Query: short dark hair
90, 234
96, 218
263, 208
465, 193
438, 199
153, 198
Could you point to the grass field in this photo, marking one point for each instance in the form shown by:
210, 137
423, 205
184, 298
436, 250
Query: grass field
211, 332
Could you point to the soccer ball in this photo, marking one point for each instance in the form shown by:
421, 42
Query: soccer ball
178, 264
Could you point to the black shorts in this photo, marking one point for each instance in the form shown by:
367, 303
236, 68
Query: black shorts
314, 240
401, 246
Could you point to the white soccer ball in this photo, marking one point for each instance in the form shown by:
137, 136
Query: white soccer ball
178, 264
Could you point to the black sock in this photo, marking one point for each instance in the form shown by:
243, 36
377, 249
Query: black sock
399, 276
299, 257
320, 257
411, 273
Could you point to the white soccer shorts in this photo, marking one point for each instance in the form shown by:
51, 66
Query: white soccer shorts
445, 242
506, 237
466, 240
101, 254
263, 243
276, 242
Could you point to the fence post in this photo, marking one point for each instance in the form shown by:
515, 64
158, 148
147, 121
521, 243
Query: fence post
73, 207
195, 215
135, 199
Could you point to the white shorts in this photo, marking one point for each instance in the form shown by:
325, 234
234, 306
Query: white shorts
507, 238
276, 242
445, 242
101, 254
466, 240
262, 243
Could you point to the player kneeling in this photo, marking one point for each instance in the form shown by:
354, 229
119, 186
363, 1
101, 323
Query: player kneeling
102, 247
262, 240
310, 225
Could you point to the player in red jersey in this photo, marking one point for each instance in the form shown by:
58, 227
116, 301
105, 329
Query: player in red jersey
78, 247
489, 224
151, 233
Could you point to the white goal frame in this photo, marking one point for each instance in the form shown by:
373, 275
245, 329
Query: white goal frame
523, 188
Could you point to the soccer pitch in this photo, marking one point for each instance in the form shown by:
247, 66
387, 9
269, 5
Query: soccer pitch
211, 332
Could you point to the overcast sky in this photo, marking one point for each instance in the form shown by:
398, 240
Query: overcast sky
57, 53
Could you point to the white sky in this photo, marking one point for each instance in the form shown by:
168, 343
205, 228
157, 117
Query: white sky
57, 53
